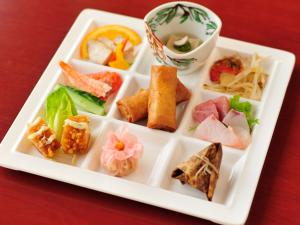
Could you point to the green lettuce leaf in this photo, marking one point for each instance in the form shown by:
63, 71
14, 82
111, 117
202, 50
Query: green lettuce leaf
244, 107
85, 100
59, 106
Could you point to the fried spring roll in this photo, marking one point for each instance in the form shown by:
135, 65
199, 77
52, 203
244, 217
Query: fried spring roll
76, 135
182, 93
43, 138
135, 107
162, 98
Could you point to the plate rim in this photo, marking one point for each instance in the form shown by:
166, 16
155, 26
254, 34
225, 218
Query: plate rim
236, 213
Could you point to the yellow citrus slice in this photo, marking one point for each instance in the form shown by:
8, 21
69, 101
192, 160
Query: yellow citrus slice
111, 32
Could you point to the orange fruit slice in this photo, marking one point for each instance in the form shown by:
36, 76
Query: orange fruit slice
110, 32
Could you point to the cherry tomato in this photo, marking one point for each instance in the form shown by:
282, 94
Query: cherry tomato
230, 65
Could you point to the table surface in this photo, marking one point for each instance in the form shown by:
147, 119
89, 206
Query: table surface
30, 33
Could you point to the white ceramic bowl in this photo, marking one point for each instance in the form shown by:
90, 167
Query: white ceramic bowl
182, 17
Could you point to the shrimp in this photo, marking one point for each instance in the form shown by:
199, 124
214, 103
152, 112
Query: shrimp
83, 82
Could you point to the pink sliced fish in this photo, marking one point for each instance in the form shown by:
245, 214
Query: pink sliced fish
218, 107
83, 82
235, 134
203, 110
223, 105
236, 119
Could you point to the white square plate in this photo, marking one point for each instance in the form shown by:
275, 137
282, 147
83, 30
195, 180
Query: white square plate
151, 183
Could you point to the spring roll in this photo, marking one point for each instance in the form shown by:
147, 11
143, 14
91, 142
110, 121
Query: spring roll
162, 98
43, 138
76, 135
135, 107
182, 93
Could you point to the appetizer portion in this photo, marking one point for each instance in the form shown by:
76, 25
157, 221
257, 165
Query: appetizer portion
121, 152
226, 121
233, 76
201, 170
182, 43
63, 129
162, 98
76, 135
158, 102
111, 45
43, 138
135, 107
90, 91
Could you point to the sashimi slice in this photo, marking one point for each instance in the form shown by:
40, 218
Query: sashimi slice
236, 119
83, 82
223, 106
211, 129
203, 110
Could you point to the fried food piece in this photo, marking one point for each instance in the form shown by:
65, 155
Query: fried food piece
43, 138
182, 93
201, 171
76, 135
135, 107
162, 98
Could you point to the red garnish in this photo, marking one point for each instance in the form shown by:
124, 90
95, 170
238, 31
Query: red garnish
229, 65
113, 57
111, 78
124, 42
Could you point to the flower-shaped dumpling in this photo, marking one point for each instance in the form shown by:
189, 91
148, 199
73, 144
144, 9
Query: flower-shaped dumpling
121, 152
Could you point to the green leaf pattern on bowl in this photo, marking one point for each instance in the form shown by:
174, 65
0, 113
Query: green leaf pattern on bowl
182, 63
166, 15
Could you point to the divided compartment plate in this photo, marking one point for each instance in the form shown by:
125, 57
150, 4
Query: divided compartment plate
151, 183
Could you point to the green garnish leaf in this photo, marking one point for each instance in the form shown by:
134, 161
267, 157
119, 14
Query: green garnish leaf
85, 100
184, 48
252, 122
244, 107
59, 106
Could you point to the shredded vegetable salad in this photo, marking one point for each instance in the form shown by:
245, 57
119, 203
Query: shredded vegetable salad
248, 83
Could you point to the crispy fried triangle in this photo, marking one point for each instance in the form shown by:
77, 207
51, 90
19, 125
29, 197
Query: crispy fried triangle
201, 171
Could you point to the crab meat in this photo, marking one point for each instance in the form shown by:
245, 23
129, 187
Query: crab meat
84, 82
